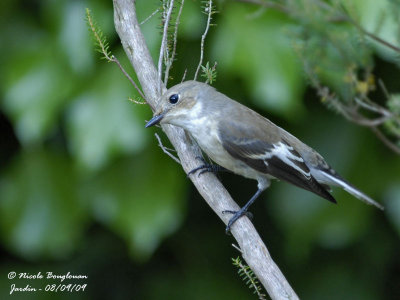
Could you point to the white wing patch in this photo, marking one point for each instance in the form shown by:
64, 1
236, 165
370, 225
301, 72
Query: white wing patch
286, 154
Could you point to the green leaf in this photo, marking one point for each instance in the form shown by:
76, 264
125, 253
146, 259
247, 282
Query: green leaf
41, 213
142, 199
36, 89
260, 52
193, 22
74, 39
379, 18
102, 123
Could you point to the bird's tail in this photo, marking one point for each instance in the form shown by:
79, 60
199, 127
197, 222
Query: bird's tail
337, 180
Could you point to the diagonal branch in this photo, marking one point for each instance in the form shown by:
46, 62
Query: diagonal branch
166, 150
385, 140
209, 11
254, 251
343, 17
175, 41
164, 40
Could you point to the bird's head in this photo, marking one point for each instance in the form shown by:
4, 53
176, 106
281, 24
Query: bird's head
180, 104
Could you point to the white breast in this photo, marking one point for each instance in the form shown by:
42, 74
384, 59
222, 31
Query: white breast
205, 131
206, 135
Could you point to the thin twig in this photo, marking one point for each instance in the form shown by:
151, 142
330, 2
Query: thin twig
184, 75
356, 118
171, 60
373, 36
136, 101
115, 60
164, 40
384, 89
149, 17
267, 4
102, 43
352, 114
396, 116
371, 106
342, 18
203, 37
166, 150
346, 18
256, 14
237, 248
385, 140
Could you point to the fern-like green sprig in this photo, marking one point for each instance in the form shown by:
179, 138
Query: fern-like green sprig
248, 276
103, 47
208, 7
99, 38
210, 73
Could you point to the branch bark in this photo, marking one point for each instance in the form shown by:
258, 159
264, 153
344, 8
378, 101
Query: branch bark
253, 249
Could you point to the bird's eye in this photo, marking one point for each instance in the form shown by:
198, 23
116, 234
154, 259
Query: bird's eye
173, 98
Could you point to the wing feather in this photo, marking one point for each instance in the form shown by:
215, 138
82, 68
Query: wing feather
276, 157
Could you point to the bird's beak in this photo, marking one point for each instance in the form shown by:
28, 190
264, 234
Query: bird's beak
155, 120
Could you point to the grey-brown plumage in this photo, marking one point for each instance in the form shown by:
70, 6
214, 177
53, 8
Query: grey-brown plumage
244, 142
255, 148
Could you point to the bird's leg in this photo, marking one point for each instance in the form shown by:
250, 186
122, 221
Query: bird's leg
241, 212
206, 167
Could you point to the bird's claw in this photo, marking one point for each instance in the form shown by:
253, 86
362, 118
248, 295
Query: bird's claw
206, 168
236, 215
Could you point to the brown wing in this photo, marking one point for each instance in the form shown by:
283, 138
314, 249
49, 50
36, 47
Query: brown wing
272, 156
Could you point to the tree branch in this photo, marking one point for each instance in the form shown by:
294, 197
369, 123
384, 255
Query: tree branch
164, 40
385, 140
254, 251
175, 41
209, 11
166, 150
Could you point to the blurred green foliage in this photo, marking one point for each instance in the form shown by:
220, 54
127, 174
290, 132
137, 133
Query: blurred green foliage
84, 187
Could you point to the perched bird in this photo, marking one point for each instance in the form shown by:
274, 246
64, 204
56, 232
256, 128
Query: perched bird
244, 142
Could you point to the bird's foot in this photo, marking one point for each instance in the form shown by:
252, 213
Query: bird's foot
236, 215
206, 167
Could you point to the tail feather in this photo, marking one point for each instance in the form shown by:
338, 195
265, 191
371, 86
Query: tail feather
327, 178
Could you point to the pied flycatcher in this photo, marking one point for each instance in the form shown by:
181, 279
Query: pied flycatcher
244, 142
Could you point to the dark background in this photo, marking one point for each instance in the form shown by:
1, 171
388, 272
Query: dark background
85, 189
